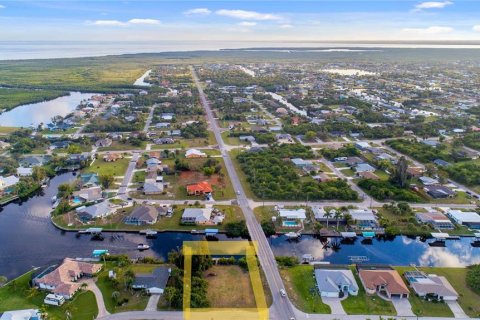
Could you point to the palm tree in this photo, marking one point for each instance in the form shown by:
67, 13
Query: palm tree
337, 216
328, 215
348, 218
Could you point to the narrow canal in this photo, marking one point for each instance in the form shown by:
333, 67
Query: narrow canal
28, 239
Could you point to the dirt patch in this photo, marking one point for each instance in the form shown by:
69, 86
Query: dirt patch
189, 177
229, 287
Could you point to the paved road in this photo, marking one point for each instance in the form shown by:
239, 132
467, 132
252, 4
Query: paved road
153, 302
281, 307
122, 191
149, 119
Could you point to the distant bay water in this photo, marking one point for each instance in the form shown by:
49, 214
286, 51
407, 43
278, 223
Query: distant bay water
19, 50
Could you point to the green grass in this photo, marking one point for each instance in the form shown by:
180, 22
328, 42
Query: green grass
468, 299
241, 175
19, 296
139, 176
301, 287
11, 98
137, 300
117, 168
7, 130
233, 141
366, 304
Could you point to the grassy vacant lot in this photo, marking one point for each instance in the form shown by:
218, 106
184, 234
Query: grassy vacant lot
97, 74
18, 295
300, 285
366, 304
7, 130
229, 287
243, 178
468, 299
137, 300
11, 98
117, 168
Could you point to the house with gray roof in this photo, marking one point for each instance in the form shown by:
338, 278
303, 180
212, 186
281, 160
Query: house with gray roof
142, 215
154, 282
196, 215
99, 210
335, 283
431, 286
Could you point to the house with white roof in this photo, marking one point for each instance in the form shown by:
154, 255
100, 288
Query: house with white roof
335, 283
26, 314
292, 214
470, 219
9, 181
364, 218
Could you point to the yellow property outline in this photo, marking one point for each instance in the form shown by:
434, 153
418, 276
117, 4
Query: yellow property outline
224, 248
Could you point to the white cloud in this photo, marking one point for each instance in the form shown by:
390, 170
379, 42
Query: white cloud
117, 23
198, 11
247, 24
107, 23
143, 21
286, 26
476, 28
2, 6
429, 30
247, 15
432, 5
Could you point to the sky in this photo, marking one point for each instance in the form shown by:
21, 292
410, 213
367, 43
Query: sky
247, 20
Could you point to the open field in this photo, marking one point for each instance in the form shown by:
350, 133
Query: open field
116, 168
11, 98
18, 295
229, 287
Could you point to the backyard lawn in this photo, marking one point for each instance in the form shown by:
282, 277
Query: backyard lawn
300, 285
18, 295
137, 300
117, 168
366, 304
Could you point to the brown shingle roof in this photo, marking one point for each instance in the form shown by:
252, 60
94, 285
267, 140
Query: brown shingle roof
390, 278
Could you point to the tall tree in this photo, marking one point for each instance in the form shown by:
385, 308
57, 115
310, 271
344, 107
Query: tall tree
400, 172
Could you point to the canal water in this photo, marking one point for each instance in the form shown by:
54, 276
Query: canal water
28, 239
42, 112
394, 251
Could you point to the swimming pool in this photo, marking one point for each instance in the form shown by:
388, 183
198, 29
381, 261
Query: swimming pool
77, 200
290, 224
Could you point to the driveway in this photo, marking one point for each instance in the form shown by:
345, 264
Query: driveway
403, 307
92, 286
456, 309
335, 304
152, 302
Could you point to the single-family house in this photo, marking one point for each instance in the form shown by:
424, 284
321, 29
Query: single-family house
436, 219
63, 280
24, 172
364, 218
196, 215
300, 163
200, 188
25, 314
368, 175
195, 153
470, 219
154, 282
427, 181
362, 145
431, 286
441, 163
383, 281
335, 283
99, 210
364, 167
87, 195
292, 214
6, 182
88, 180
247, 138
414, 172
103, 143
112, 157
142, 215
152, 186
437, 191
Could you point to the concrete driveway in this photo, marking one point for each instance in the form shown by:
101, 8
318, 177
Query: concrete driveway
456, 309
152, 302
335, 304
92, 286
403, 307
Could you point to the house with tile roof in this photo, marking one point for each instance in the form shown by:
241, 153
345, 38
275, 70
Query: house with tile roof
386, 282
199, 188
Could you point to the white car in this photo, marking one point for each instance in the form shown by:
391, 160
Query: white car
238, 192
283, 293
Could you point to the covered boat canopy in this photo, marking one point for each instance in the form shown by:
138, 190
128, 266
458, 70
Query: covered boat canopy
440, 235
348, 234
368, 234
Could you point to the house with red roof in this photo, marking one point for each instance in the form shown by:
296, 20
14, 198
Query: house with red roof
199, 188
